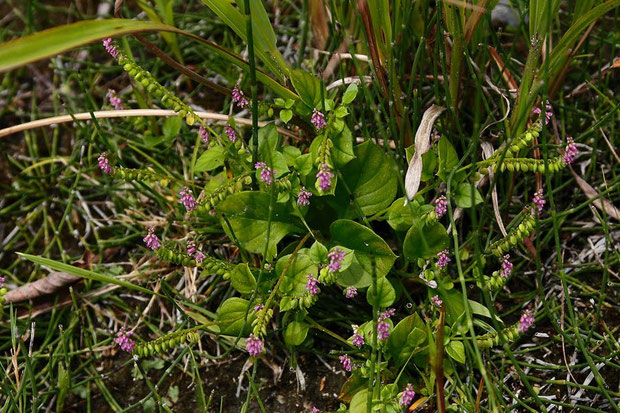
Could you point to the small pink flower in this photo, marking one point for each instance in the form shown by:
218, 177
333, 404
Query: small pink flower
259, 307
539, 201
357, 339
318, 119
383, 328
506, 266
346, 362
303, 197
110, 47
115, 100
187, 199
204, 134
548, 112
325, 176
104, 163
266, 173
239, 98
335, 259
437, 302
526, 321
254, 345
191, 248
199, 257
441, 206
2, 279
230, 132
311, 285
315, 410
151, 239
407, 396
442, 259
350, 292
570, 151
123, 339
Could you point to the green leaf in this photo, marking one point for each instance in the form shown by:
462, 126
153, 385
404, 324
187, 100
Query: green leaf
63, 384
173, 394
308, 87
231, 314
456, 350
370, 250
210, 159
286, 115
405, 337
372, 179
296, 332
479, 309
448, 159
242, 279
358, 402
342, 151
268, 138
294, 282
304, 164
383, 296
80, 272
425, 241
349, 94
401, 216
248, 214
341, 112
318, 253
462, 196
429, 163
291, 153
172, 126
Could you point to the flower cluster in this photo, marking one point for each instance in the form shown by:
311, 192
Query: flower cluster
506, 266
239, 98
346, 362
526, 321
110, 47
204, 134
191, 251
104, 164
115, 100
383, 328
570, 151
303, 197
539, 200
442, 259
407, 396
325, 176
357, 339
441, 206
548, 112
266, 174
230, 132
437, 302
350, 292
151, 239
335, 259
311, 285
254, 345
123, 339
318, 119
187, 199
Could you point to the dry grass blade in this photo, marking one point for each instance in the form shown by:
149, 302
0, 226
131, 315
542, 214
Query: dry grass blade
487, 152
603, 204
422, 144
53, 282
319, 18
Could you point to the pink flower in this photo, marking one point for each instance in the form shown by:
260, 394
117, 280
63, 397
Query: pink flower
570, 151
311, 285
2, 279
199, 257
442, 259
506, 266
357, 339
115, 100
315, 410
335, 259
259, 307
548, 112
239, 98
406, 397
539, 200
230, 132
266, 174
346, 362
123, 339
526, 321
191, 248
151, 239
110, 47
437, 302
383, 328
204, 134
441, 206
325, 176
254, 345
104, 164
318, 119
350, 292
187, 199
303, 197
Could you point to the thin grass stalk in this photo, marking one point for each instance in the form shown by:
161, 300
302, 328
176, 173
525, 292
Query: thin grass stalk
253, 87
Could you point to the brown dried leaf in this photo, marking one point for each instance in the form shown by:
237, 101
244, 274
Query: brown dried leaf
603, 204
422, 144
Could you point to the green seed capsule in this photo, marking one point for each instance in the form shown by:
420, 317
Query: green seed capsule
515, 149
